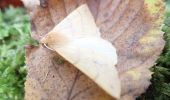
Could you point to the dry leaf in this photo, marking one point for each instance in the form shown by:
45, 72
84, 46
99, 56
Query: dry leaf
133, 26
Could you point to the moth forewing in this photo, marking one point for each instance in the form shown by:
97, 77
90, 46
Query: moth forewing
77, 39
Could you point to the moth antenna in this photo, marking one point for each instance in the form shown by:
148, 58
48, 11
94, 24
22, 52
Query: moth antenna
48, 47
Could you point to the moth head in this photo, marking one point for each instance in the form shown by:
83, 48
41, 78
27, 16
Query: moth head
54, 39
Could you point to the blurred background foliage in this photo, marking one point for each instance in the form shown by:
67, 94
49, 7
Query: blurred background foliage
160, 87
15, 33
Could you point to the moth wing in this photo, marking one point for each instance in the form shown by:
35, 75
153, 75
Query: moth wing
96, 58
80, 23
78, 40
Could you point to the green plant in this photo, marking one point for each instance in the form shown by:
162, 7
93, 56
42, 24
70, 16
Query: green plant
160, 87
14, 34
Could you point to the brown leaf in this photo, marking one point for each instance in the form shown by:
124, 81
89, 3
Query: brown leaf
133, 26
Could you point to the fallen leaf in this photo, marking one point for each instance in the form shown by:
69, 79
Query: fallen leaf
133, 26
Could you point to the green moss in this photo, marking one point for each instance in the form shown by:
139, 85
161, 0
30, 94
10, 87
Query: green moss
160, 87
14, 34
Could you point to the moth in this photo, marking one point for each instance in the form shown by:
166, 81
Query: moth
78, 40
